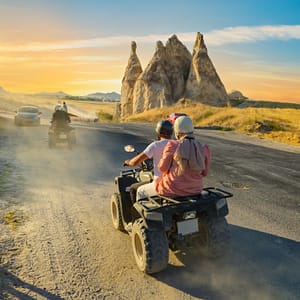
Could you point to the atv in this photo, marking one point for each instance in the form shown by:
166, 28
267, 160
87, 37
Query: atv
61, 134
157, 224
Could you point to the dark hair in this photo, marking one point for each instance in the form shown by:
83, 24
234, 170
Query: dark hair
164, 127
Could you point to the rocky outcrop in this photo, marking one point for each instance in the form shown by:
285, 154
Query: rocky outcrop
237, 95
204, 84
132, 72
172, 73
153, 88
177, 65
163, 81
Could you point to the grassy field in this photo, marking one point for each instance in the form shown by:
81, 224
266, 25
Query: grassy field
10, 103
276, 123
280, 124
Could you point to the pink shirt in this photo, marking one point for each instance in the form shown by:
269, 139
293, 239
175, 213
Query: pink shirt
187, 183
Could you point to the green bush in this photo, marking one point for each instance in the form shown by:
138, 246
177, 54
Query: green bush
104, 117
203, 116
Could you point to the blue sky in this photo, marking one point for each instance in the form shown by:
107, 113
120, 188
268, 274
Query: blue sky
83, 46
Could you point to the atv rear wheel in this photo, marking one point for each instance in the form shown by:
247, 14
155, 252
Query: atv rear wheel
214, 237
150, 248
115, 208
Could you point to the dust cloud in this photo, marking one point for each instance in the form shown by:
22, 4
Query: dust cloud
68, 248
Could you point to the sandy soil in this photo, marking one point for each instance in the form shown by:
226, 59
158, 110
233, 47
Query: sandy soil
57, 239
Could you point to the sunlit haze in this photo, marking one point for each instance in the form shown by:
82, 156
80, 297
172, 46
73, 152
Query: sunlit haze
82, 47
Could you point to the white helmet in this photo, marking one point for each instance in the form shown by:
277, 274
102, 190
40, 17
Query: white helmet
58, 107
183, 125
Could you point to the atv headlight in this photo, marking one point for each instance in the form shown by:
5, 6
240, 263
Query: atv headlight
153, 216
189, 215
220, 203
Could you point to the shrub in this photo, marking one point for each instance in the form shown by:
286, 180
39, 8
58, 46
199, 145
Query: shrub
104, 116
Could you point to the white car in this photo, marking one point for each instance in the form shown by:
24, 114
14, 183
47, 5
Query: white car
28, 115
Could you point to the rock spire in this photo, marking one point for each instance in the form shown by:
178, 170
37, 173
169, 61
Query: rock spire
204, 84
153, 88
132, 72
172, 73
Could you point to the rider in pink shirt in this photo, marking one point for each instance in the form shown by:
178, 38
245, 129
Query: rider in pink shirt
184, 162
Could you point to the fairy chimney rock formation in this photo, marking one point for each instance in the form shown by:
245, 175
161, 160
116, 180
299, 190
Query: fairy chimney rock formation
177, 65
163, 81
152, 88
132, 72
204, 84
172, 73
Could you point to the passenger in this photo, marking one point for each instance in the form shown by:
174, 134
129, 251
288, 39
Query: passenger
184, 162
164, 130
65, 107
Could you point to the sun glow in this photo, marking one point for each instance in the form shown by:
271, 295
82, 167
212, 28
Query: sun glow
97, 64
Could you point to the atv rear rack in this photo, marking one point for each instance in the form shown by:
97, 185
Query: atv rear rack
208, 194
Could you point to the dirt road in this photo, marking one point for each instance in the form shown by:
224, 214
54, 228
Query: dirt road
65, 246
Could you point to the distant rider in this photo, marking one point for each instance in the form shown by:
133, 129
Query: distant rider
65, 107
60, 118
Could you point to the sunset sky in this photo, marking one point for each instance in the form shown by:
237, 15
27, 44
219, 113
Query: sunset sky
82, 47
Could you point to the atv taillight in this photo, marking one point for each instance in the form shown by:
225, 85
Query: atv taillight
189, 215
220, 203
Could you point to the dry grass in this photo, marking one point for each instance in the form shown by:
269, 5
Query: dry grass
14, 218
280, 124
13, 101
103, 107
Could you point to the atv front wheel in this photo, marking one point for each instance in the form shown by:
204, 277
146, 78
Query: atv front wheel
115, 208
214, 237
150, 248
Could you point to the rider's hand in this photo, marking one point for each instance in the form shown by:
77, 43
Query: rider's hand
127, 162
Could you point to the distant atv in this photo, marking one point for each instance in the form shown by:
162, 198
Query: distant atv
158, 223
58, 133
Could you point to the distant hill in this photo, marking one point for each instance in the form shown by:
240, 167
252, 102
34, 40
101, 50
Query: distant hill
3, 91
103, 97
261, 104
99, 96
59, 94
113, 96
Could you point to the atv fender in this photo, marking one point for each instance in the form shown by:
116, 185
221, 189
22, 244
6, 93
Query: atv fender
151, 220
123, 184
217, 207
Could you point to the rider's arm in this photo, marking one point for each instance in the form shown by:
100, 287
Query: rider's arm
136, 160
207, 154
167, 157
